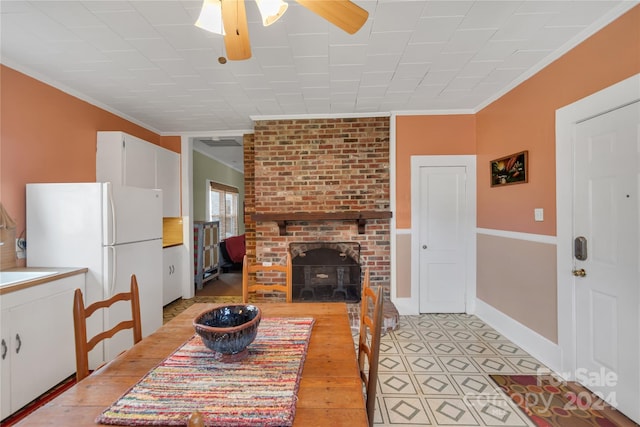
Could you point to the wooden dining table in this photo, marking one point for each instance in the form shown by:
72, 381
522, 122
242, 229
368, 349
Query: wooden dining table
330, 392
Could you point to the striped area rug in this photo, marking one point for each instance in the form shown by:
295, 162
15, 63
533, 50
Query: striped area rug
257, 391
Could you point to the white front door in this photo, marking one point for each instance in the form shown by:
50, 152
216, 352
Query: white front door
607, 301
442, 239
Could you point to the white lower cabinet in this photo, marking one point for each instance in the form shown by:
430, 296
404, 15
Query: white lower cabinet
37, 344
172, 276
5, 368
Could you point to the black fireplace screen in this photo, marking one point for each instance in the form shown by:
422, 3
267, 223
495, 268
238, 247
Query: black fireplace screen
326, 271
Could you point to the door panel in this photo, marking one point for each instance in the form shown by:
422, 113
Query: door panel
442, 239
605, 333
439, 278
606, 198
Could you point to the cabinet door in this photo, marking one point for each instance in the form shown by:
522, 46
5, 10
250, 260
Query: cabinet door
5, 364
168, 180
125, 160
109, 157
139, 163
43, 346
172, 277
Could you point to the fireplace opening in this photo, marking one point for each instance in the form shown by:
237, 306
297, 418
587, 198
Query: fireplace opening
325, 271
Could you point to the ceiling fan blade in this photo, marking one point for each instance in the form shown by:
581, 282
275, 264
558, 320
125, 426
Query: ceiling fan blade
341, 13
236, 38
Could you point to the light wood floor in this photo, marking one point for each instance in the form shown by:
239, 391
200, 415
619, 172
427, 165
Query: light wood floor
227, 284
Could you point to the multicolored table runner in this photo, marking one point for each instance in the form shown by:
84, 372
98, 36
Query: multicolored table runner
260, 390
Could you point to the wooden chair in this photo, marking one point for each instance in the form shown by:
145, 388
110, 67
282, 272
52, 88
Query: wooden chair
369, 341
81, 313
251, 284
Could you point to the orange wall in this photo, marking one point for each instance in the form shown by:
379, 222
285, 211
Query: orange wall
427, 135
47, 135
524, 119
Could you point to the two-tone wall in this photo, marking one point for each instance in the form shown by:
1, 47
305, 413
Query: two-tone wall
524, 119
516, 255
422, 135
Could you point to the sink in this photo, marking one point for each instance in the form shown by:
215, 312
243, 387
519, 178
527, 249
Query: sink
11, 277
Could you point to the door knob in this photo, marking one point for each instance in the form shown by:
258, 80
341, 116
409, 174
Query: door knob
579, 273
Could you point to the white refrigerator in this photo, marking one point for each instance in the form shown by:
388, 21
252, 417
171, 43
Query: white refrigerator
113, 231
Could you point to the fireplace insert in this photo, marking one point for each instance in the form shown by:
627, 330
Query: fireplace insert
325, 271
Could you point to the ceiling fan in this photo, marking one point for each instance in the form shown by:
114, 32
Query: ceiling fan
229, 18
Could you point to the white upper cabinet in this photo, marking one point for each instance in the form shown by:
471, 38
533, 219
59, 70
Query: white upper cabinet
168, 178
126, 160
139, 159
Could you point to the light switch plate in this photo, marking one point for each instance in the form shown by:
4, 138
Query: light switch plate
538, 214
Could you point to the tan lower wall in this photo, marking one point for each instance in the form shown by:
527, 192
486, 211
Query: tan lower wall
518, 278
403, 265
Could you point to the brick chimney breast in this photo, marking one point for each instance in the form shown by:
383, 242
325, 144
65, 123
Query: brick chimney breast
316, 166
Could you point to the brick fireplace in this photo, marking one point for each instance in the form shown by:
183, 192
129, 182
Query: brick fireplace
313, 180
326, 271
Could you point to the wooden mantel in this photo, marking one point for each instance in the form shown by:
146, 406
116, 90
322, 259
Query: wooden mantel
281, 218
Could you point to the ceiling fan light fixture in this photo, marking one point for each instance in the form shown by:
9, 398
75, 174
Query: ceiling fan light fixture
210, 18
271, 10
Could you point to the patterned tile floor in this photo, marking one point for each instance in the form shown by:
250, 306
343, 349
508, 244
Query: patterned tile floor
434, 370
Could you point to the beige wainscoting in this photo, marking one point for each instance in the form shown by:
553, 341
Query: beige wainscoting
518, 277
403, 265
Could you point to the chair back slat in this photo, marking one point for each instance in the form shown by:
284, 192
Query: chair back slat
81, 313
281, 275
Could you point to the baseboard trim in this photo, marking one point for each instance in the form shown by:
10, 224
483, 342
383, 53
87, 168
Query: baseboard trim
530, 341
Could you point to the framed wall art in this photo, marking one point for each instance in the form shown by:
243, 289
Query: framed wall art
512, 169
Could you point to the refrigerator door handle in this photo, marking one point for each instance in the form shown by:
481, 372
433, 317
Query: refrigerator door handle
112, 273
112, 213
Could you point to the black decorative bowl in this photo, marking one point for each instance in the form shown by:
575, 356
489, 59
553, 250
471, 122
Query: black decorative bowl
228, 330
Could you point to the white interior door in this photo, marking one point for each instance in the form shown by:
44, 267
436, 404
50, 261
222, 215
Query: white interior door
442, 237
606, 200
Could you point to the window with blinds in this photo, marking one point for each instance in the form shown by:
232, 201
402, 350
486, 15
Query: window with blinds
223, 207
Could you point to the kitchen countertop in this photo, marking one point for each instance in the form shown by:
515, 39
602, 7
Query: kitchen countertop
170, 245
55, 274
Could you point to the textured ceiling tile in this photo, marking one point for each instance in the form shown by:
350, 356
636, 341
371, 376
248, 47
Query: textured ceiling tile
146, 60
347, 54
